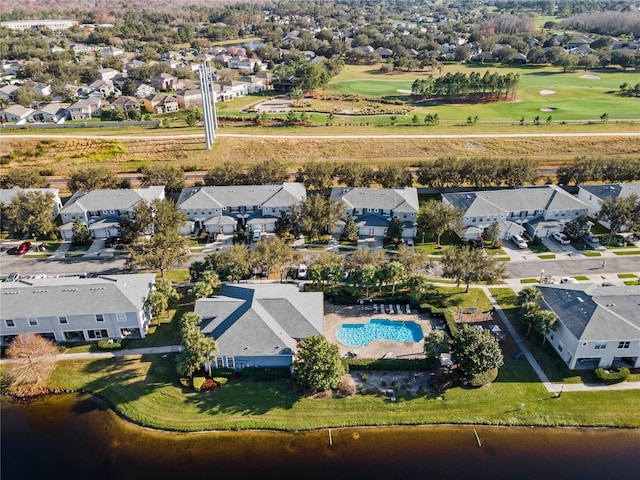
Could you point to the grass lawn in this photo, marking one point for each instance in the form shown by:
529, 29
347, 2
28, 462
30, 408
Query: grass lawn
592, 254
145, 389
580, 277
627, 252
178, 276
627, 275
529, 280
547, 256
454, 298
575, 97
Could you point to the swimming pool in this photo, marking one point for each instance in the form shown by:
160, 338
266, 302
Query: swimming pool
361, 334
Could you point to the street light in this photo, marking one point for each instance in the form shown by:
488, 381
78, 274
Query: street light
541, 275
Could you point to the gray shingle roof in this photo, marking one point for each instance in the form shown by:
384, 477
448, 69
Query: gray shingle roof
120, 199
264, 319
264, 196
613, 190
74, 296
400, 200
499, 202
7, 194
595, 313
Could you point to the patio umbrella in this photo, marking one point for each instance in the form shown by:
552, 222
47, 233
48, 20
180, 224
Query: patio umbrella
495, 329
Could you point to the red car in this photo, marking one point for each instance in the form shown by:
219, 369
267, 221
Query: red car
23, 248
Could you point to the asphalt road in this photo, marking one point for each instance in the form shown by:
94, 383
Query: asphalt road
558, 267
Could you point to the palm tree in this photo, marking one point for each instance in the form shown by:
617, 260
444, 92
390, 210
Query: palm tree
395, 272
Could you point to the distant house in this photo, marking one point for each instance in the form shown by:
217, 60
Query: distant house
17, 113
144, 90
52, 112
254, 84
126, 103
541, 210
223, 209
384, 52
161, 103
189, 98
260, 325
106, 88
577, 43
111, 51
101, 210
108, 73
165, 81
8, 194
594, 195
7, 92
597, 326
238, 89
74, 309
85, 109
373, 208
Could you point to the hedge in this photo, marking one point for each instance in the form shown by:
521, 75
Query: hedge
197, 383
389, 364
222, 372
267, 373
441, 313
106, 344
612, 376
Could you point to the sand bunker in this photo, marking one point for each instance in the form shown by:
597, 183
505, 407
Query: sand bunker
404, 91
548, 109
547, 92
590, 76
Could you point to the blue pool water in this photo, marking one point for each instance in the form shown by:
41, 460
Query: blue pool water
359, 335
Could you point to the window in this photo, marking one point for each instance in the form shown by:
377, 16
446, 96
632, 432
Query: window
62, 320
219, 362
121, 317
10, 322
33, 322
624, 344
600, 346
230, 362
98, 334
560, 347
99, 317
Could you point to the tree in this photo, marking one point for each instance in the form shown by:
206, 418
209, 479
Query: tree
317, 365
435, 343
394, 272
319, 214
158, 300
171, 177
208, 284
80, 233
492, 233
438, 217
476, 352
317, 175
233, 263
411, 259
226, 174
393, 176
160, 252
350, 230
271, 254
22, 178
30, 213
33, 361
92, 178
619, 212
268, 171
158, 216
577, 228
394, 230
197, 348
528, 294
471, 265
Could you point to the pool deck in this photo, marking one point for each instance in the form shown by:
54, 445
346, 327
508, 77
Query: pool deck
336, 315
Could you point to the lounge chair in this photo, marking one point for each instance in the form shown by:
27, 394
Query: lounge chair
398, 309
375, 308
408, 309
391, 309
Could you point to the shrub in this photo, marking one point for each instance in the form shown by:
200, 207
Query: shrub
612, 376
361, 364
198, 382
275, 373
223, 372
221, 380
208, 385
347, 387
185, 382
483, 378
441, 313
108, 344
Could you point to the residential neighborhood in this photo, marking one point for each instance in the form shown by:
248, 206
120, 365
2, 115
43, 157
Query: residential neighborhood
271, 237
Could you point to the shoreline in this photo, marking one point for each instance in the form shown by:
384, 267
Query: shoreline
24, 400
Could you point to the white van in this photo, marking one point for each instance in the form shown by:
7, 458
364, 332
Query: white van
257, 235
302, 271
519, 241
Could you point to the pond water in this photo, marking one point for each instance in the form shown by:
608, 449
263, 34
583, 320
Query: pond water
360, 334
79, 437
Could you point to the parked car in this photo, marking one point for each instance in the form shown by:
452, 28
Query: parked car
410, 244
561, 238
302, 271
592, 238
519, 241
23, 248
257, 235
13, 277
12, 251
